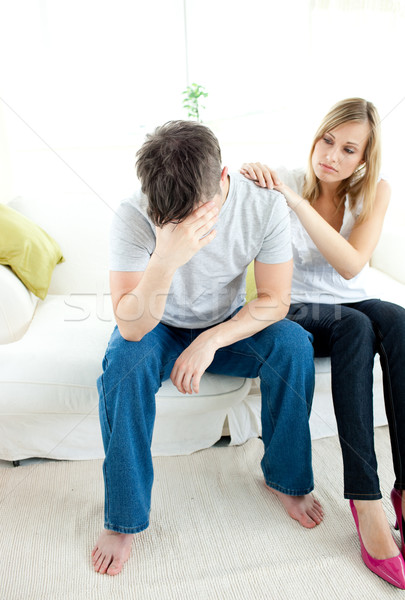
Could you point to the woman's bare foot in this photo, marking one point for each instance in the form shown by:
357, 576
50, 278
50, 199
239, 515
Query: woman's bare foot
375, 530
305, 509
111, 551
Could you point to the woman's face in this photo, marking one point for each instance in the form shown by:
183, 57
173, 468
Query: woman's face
340, 151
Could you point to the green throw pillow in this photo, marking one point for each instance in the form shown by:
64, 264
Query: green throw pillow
251, 291
30, 252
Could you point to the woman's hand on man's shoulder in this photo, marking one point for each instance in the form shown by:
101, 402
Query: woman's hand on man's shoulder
261, 175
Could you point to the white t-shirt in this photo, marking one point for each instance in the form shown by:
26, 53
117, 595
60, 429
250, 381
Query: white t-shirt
253, 223
314, 279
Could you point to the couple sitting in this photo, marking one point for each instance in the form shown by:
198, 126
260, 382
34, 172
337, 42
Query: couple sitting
180, 250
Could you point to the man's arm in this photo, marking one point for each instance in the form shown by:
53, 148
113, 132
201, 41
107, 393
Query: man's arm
273, 284
139, 298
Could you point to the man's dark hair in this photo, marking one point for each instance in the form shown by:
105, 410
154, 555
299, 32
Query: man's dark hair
178, 166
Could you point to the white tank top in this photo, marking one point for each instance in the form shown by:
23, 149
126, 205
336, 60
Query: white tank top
314, 279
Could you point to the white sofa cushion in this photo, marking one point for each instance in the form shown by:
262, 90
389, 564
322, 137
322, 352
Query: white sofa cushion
17, 306
385, 287
389, 254
49, 400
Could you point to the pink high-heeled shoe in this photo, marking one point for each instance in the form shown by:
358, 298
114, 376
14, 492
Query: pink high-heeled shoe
390, 569
396, 499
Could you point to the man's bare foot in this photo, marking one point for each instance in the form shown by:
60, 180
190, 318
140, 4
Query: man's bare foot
375, 530
305, 509
111, 551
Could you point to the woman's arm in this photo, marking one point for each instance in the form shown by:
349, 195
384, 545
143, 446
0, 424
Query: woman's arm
347, 257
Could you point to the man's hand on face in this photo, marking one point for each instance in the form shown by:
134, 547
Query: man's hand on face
192, 363
176, 243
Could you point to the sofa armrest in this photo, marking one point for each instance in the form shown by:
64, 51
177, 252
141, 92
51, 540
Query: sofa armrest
388, 256
17, 306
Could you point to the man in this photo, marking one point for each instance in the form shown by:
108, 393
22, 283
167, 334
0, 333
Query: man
180, 249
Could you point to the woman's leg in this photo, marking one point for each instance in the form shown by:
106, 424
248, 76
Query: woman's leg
389, 325
347, 336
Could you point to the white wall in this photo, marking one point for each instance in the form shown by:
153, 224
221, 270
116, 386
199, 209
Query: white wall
6, 182
84, 80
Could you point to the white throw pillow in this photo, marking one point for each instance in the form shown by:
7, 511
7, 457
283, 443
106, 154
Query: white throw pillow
17, 306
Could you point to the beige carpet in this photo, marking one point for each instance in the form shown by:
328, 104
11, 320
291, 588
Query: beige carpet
216, 533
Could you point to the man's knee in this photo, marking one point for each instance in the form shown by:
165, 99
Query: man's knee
122, 352
295, 337
291, 339
127, 364
131, 373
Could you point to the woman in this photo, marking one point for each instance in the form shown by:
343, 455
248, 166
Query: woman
337, 212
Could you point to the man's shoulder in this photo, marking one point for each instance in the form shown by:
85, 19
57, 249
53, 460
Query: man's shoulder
243, 187
131, 222
137, 204
261, 204
133, 211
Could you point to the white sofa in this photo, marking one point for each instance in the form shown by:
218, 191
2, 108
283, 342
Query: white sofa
51, 352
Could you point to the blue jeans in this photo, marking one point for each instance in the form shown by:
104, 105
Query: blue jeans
281, 355
351, 334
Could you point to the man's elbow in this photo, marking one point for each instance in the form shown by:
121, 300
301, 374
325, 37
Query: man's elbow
130, 335
272, 308
281, 313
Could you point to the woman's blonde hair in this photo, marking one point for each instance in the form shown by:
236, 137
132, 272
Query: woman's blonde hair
362, 184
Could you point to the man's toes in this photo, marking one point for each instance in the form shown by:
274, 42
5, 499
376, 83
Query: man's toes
315, 516
320, 514
97, 566
318, 505
101, 565
114, 568
97, 562
306, 521
315, 513
105, 565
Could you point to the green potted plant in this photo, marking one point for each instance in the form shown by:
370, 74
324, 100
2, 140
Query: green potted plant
193, 93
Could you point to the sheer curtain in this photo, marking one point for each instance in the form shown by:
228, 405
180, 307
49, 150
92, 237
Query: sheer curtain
84, 80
